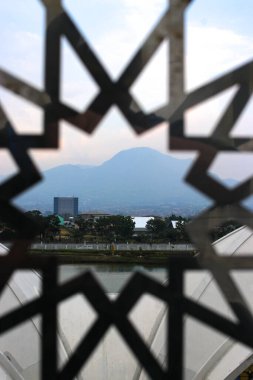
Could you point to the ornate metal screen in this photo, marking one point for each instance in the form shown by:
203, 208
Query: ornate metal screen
227, 202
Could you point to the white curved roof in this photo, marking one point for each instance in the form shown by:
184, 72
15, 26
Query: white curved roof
209, 355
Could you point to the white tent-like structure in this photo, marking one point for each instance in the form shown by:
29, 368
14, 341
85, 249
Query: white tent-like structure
208, 354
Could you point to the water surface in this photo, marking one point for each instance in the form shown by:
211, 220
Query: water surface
112, 276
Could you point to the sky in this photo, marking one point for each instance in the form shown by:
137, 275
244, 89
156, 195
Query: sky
218, 39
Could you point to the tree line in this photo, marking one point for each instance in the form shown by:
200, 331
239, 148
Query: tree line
113, 228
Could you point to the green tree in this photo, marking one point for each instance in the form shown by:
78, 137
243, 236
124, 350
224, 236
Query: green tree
164, 230
123, 227
156, 228
115, 227
52, 223
178, 233
86, 226
38, 218
224, 229
104, 228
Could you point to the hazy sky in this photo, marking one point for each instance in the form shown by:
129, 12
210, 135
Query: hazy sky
218, 38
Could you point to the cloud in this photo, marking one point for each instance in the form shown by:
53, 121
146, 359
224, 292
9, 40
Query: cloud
24, 116
22, 33
77, 86
22, 55
210, 51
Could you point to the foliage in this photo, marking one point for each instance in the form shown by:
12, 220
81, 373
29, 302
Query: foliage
161, 230
86, 226
48, 226
156, 228
114, 228
224, 229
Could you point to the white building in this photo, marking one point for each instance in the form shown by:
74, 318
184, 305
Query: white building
140, 223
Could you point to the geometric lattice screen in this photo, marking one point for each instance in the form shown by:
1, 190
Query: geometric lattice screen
226, 202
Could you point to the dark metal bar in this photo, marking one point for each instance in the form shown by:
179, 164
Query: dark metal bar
49, 323
175, 323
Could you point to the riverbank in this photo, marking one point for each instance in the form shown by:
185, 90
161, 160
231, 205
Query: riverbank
129, 257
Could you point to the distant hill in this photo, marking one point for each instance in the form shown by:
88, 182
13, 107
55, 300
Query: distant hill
139, 178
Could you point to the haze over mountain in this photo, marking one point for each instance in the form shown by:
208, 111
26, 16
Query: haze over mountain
134, 179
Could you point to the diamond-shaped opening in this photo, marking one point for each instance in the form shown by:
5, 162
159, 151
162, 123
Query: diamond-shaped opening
158, 273
23, 36
202, 288
209, 353
77, 86
112, 359
111, 277
75, 317
68, 272
119, 28
150, 317
215, 44
24, 116
151, 87
232, 239
21, 346
202, 119
243, 126
232, 168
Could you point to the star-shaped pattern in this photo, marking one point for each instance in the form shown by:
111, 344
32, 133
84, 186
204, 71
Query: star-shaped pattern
170, 28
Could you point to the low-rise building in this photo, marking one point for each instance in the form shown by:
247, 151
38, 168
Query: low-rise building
140, 223
93, 215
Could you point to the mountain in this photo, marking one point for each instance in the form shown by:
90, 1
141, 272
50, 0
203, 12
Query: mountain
139, 178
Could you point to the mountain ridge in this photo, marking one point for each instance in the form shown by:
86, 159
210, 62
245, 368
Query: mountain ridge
136, 178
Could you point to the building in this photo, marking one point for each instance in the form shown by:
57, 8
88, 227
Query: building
93, 215
140, 224
66, 206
